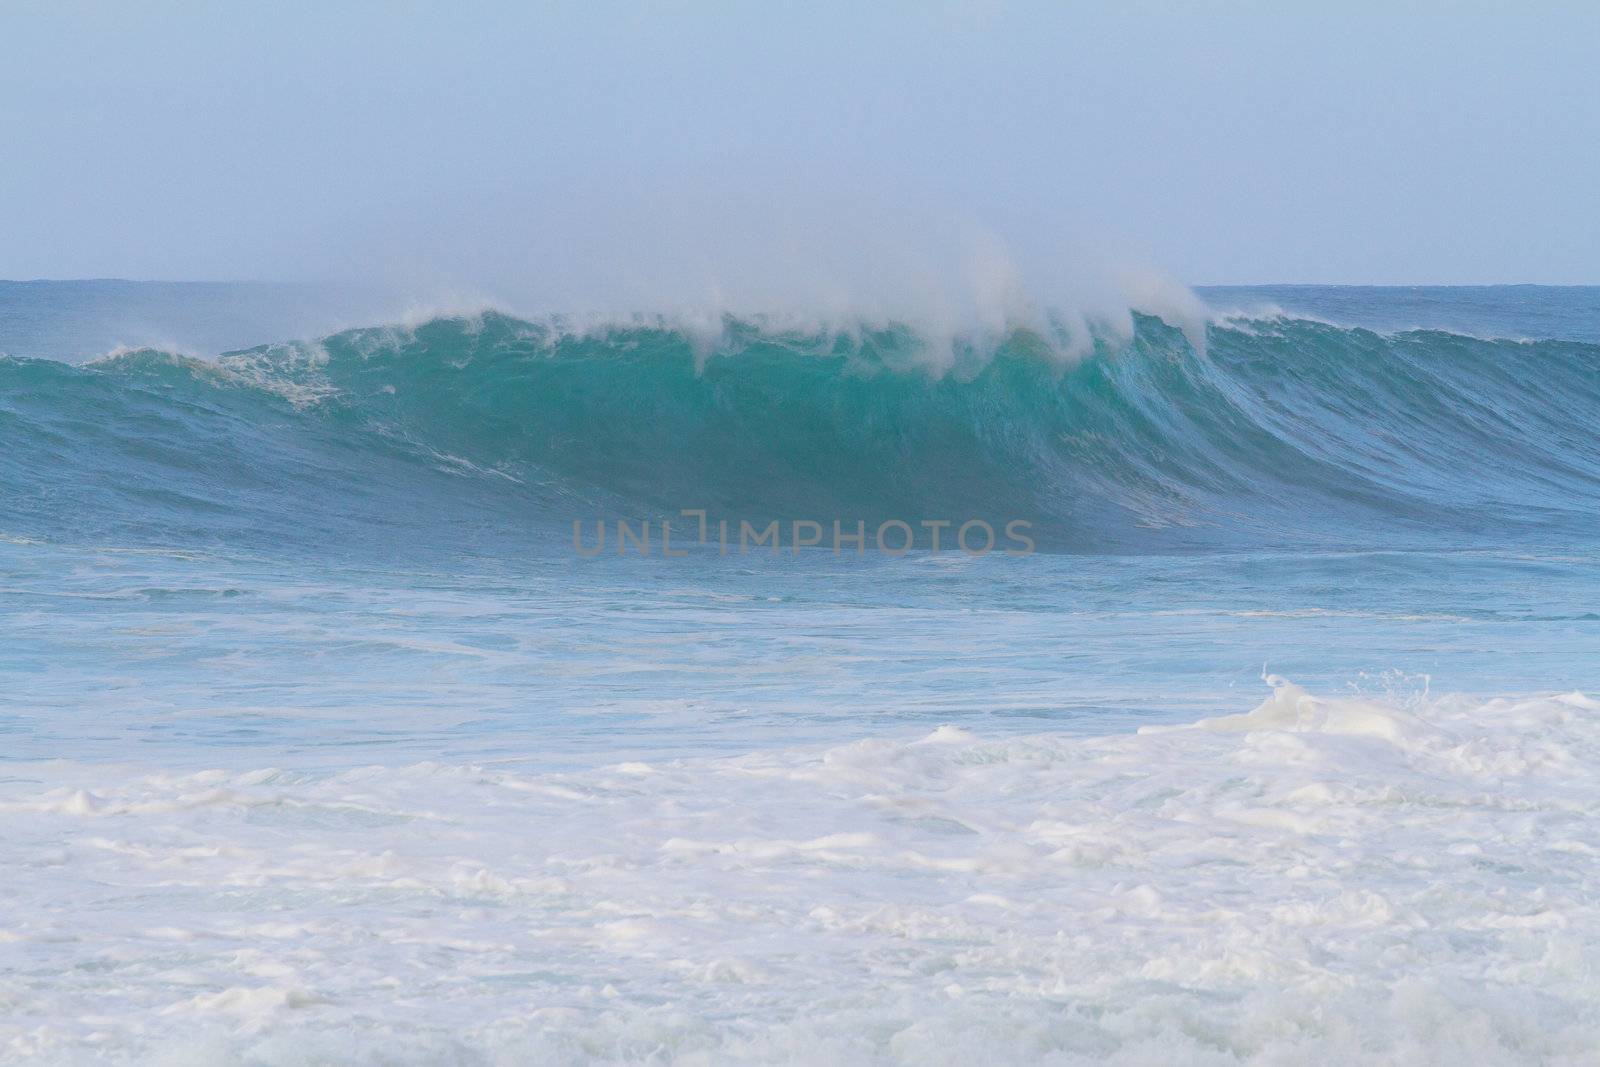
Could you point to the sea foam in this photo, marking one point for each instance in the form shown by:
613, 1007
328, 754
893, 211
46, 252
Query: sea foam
1319, 880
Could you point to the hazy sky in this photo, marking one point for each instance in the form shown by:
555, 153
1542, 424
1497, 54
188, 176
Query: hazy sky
610, 152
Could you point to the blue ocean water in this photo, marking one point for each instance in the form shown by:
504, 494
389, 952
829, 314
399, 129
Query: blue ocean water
297, 566
367, 540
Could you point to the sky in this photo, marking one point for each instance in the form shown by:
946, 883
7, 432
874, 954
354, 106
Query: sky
594, 154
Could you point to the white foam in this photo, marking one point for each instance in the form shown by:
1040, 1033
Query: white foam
1318, 880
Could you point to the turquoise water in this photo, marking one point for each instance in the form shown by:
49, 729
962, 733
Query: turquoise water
297, 639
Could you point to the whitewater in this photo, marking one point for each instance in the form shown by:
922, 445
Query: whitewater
1318, 880
319, 742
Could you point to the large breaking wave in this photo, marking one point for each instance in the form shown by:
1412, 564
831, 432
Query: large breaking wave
1273, 431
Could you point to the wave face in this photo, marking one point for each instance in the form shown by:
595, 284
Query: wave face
1278, 432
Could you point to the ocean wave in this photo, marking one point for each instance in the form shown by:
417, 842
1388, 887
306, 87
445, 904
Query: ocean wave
1276, 430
